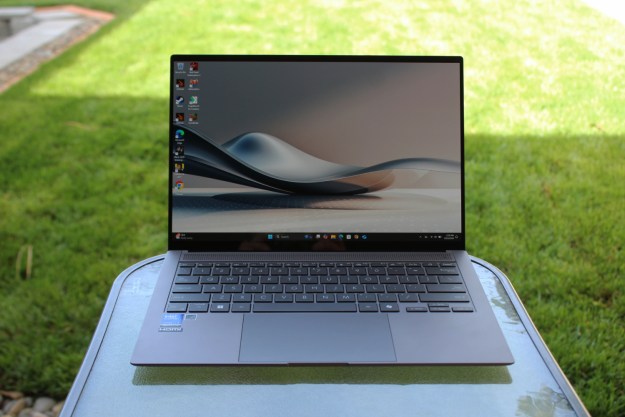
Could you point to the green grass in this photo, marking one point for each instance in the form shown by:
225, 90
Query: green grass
83, 167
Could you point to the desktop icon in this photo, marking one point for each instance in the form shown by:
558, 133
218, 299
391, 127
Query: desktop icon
179, 101
194, 83
179, 185
179, 117
194, 66
179, 134
193, 101
180, 66
178, 167
193, 117
179, 150
270, 237
180, 83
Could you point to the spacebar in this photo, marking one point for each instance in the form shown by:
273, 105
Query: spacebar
303, 308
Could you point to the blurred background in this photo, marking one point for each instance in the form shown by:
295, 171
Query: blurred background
83, 161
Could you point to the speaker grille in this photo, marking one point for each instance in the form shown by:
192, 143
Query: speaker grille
314, 256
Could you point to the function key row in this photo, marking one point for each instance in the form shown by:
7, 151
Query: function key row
326, 279
314, 264
302, 270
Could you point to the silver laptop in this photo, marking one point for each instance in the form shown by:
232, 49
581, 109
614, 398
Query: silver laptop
316, 216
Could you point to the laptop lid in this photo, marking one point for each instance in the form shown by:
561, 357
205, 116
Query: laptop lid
326, 153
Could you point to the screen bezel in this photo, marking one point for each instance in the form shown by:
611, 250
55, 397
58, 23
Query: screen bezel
259, 242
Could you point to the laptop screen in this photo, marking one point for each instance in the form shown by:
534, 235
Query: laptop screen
316, 153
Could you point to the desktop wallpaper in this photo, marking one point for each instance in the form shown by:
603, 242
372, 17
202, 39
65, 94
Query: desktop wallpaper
293, 147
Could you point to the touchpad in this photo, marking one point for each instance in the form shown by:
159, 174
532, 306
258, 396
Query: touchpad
316, 338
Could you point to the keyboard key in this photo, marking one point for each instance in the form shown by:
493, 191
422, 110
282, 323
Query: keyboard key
189, 298
335, 288
201, 271
396, 271
367, 307
188, 265
283, 298
396, 288
274, 288
416, 309
337, 271
259, 271
408, 298
183, 271
198, 307
221, 298
329, 280
415, 288
367, 298
240, 271
187, 280
415, 271
389, 280
444, 298
220, 271
253, 288
389, 307
249, 280
348, 280
369, 280
209, 280
268, 280
434, 309
374, 288
294, 288
387, 298
446, 288
187, 288
313, 288
177, 308
279, 271
220, 308
289, 280
233, 288
212, 288
241, 298
304, 298
309, 280
263, 298
229, 280
304, 307
325, 298
357, 288
462, 309
443, 270
241, 307
450, 279
428, 280
346, 298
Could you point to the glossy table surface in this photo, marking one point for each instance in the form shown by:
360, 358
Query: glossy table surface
107, 385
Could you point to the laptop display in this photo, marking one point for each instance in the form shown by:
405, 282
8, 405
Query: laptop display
310, 154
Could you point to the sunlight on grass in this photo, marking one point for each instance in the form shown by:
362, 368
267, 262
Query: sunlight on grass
84, 162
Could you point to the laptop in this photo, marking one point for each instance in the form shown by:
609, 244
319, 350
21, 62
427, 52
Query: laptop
316, 216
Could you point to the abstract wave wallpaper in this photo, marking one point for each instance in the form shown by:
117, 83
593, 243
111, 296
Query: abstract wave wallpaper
317, 146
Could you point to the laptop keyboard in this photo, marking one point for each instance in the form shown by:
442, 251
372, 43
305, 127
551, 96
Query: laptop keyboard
364, 287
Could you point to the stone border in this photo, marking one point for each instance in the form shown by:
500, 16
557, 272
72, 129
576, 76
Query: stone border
83, 22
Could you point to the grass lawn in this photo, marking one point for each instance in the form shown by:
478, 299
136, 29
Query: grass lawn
83, 162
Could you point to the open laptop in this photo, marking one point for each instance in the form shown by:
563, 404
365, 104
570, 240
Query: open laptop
316, 216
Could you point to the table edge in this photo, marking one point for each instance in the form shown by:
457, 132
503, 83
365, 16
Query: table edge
94, 347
